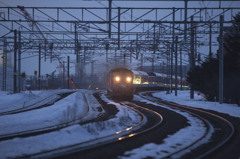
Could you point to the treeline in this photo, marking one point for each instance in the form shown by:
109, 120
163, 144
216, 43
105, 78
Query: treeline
205, 78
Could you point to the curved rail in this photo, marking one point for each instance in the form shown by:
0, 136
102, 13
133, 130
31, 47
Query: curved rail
48, 100
46, 129
186, 109
120, 135
117, 136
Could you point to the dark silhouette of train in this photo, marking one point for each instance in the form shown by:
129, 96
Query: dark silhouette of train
120, 83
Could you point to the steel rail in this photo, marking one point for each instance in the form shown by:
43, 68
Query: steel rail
93, 143
47, 128
32, 106
118, 136
183, 108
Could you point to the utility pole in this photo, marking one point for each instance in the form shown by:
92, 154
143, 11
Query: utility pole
15, 63
210, 40
107, 47
51, 51
176, 67
76, 43
109, 18
221, 58
181, 65
192, 58
19, 61
39, 67
4, 64
109, 26
68, 75
45, 50
185, 20
172, 51
119, 25
64, 86
168, 63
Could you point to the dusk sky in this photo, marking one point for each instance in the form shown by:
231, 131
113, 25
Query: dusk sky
48, 68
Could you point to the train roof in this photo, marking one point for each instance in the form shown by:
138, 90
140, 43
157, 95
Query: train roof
118, 69
139, 73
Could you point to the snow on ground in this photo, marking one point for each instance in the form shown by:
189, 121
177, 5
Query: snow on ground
67, 136
67, 109
199, 102
172, 143
10, 102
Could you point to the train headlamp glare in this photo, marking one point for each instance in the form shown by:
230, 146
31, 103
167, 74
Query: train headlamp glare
117, 79
128, 79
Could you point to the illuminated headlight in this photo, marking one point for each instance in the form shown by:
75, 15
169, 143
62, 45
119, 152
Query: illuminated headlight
117, 78
128, 79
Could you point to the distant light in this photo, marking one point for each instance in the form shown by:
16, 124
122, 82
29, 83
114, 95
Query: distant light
97, 88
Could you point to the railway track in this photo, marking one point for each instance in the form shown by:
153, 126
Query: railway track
39, 104
149, 120
47, 129
223, 131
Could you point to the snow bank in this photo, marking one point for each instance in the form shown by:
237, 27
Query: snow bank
199, 102
172, 143
67, 109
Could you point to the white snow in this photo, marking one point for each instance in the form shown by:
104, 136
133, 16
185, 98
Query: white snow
74, 134
62, 111
183, 97
172, 143
186, 135
25, 99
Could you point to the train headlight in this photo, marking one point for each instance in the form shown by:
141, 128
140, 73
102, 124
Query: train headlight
128, 79
117, 78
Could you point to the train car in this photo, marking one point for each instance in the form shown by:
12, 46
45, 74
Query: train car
120, 83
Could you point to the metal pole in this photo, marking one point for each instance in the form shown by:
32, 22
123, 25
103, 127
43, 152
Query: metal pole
154, 37
19, 61
119, 13
45, 50
64, 86
192, 59
221, 58
210, 40
172, 51
181, 65
68, 72
76, 43
15, 63
39, 67
176, 67
107, 47
4, 64
185, 20
110, 17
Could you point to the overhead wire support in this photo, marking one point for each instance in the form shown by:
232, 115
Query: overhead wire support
15, 63
221, 60
176, 65
192, 58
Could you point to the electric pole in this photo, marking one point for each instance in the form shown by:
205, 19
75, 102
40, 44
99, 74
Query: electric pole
192, 58
176, 66
221, 61
15, 63
39, 67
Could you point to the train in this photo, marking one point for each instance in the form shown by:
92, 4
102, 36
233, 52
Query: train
120, 83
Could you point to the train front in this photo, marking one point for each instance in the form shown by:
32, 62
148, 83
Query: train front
122, 83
